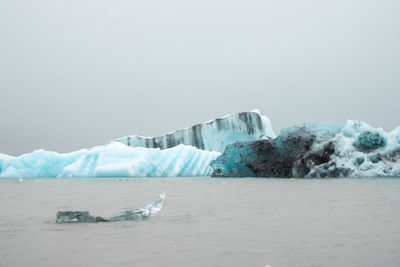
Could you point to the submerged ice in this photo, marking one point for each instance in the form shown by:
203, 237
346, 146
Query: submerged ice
315, 150
129, 215
213, 135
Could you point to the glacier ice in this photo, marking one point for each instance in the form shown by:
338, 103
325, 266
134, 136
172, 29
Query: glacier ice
185, 152
111, 160
322, 149
129, 215
3, 160
362, 151
213, 135
249, 146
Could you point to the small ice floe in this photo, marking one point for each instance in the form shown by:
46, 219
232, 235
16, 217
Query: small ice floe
129, 215
20, 180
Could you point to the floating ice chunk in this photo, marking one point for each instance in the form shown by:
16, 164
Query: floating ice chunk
130, 215
78, 217
213, 135
142, 213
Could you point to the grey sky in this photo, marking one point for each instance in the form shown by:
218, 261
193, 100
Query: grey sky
76, 74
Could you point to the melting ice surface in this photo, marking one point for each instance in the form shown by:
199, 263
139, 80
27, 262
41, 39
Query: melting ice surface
112, 160
130, 215
322, 149
363, 151
213, 135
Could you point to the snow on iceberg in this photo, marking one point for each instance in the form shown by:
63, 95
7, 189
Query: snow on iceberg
213, 135
362, 151
322, 149
112, 160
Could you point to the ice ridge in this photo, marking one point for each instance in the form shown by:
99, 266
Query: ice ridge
213, 135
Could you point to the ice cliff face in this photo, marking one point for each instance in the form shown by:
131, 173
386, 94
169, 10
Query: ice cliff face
112, 160
213, 135
315, 150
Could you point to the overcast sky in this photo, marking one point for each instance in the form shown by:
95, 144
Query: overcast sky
76, 74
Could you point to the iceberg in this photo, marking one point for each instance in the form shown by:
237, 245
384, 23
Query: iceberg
111, 160
183, 153
236, 145
323, 149
213, 135
129, 215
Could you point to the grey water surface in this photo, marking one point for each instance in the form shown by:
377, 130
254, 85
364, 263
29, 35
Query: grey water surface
204, 222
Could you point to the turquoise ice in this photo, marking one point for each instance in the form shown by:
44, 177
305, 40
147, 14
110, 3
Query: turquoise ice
112, 160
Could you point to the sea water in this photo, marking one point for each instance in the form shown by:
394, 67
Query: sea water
205, 222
